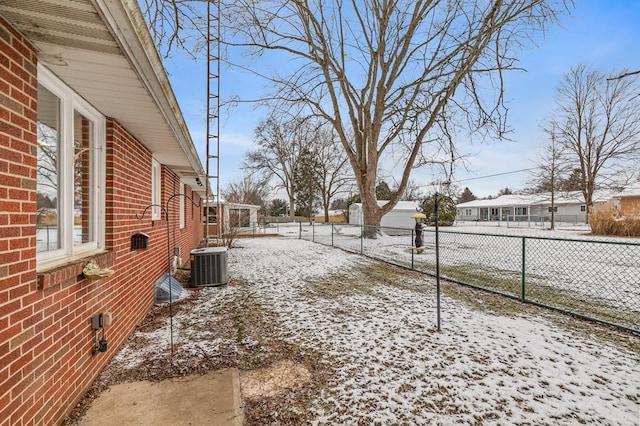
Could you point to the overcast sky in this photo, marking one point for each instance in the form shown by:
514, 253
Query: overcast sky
603, 34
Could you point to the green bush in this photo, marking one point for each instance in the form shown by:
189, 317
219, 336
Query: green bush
446, 209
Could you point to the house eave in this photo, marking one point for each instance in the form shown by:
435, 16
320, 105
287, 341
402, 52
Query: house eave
103, 50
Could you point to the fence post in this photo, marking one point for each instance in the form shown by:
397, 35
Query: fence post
361, 239
436, 213
299, 230
313, 231
523, 296
332, 234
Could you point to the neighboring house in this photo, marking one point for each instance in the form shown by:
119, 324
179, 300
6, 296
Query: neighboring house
399, 217
234, 215
568, 207
90, 135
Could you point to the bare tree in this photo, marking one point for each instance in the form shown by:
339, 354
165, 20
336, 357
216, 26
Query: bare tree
333, 167
552, 166
176, 24
388, 72
388, 75
280, 145
412, 192
597, 122
250, 189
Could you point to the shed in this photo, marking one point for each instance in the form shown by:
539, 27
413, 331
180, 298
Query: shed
399, 217
234, 216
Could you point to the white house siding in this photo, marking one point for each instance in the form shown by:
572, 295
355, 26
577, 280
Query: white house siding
399, 217
570, 207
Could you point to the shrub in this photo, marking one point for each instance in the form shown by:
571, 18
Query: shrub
446, 210
608, 219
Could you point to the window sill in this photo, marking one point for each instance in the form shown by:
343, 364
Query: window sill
59, 274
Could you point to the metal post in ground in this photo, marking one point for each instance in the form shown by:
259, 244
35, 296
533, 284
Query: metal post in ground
523, 267
437, 214
412, 249
332, 235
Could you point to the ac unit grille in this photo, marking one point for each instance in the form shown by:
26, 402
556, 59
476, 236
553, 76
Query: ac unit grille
209, 266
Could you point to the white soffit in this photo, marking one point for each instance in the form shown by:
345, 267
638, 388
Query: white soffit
102, 49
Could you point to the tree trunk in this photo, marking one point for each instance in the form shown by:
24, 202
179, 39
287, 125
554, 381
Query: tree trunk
588, 202
371, 214
292, 208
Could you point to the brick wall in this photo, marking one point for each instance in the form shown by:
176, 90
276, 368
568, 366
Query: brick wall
47, 358
20, 326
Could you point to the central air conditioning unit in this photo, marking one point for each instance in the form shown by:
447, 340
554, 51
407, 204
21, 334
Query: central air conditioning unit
209, 266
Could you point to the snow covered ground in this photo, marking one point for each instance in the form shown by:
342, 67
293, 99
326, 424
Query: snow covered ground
393, 367
494, 362
592, 276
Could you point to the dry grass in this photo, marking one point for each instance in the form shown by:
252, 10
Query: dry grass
608, 219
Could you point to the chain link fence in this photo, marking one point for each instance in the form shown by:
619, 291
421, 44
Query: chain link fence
594, 279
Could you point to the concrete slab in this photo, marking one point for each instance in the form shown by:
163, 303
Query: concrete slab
211, 399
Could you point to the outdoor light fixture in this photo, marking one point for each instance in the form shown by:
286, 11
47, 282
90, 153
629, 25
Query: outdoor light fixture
198, 181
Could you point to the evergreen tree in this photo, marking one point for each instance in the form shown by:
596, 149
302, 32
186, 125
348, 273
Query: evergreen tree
306, 184
446, 210
573, 182
505, 191
383, 192
278, 207
466, 196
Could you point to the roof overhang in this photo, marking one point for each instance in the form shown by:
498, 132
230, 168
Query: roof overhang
102, 49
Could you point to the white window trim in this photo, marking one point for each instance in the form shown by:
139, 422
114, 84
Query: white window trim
182, 204
70, 102
156, 189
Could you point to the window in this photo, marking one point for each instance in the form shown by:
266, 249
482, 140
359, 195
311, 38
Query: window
70, 200
521, 211
583, 209
156, 199
213, 214
555, 209
467, 212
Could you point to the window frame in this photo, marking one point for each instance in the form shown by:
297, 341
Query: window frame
70, 103
212, 213
156, 189
520, 211
182, 204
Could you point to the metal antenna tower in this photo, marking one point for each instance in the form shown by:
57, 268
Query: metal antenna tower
213, 115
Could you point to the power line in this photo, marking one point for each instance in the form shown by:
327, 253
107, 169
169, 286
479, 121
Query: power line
494, 175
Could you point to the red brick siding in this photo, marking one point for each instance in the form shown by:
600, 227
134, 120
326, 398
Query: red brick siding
46, 340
